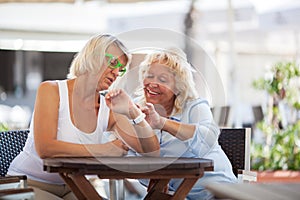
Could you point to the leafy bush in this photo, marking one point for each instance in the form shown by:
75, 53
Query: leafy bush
281, 146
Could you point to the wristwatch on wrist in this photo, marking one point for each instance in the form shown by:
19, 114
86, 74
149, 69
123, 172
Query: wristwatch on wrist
137, 120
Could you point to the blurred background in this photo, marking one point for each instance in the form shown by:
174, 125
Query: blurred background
38, 39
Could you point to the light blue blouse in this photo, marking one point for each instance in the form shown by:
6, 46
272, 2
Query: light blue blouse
203, 144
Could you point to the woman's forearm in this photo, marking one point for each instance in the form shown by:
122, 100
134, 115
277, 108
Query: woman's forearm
147, 138
145, 135
179, 130
65, 149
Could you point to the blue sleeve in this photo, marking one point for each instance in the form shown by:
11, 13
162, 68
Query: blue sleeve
206, 132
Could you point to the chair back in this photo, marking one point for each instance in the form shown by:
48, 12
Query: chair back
258, 113
11, 144
235, 142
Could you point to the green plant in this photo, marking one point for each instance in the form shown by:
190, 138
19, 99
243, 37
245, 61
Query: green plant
3, 127
280, 148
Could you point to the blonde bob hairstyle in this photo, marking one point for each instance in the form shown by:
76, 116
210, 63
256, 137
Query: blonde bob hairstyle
91, 57
176, 60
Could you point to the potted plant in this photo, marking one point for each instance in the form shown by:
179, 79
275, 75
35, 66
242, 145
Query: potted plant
279, 148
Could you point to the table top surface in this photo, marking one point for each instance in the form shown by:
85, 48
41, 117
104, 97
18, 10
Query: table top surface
126, 163
74, 170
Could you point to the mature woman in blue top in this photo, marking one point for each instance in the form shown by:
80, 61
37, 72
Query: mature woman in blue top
183, 122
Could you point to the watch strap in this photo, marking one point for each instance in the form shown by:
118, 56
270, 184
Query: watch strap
138, 119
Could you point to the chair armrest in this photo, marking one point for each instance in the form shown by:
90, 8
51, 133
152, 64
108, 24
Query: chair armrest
246, 176
19, 193
12, 179
18, 181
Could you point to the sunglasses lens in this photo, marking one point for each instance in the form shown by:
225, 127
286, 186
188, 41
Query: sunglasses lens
122, 71
114, 63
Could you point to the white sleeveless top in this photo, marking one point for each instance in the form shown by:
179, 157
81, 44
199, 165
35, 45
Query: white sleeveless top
29, 163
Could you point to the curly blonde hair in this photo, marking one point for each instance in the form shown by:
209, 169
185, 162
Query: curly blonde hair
176, 60
92, 55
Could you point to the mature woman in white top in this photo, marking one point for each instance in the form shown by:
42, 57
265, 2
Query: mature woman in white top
70, 117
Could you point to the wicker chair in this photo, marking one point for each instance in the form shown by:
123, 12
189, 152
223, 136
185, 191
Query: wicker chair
235, 142
13, 187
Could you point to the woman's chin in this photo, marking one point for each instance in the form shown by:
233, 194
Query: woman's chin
103, 86
152, 100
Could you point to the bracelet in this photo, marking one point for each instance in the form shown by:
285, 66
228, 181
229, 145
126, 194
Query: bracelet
137, 120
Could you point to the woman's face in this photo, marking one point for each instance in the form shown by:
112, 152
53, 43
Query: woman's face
159, 85
114, 56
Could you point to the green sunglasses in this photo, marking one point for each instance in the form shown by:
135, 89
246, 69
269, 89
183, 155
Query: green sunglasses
114, 63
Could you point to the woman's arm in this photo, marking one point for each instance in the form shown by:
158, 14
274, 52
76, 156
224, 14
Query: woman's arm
179, 130
182, 131
200, 121
197, 126
139, 136
45, 129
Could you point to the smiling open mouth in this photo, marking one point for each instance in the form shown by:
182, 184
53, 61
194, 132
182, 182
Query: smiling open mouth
151, 92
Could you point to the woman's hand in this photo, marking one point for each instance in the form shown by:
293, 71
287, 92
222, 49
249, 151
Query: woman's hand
119, 101
152, 117
115, 148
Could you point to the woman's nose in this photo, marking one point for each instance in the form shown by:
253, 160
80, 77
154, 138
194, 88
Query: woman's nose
153, 84
115, 71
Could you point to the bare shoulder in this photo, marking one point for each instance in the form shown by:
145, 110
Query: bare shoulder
47, 88
48, 85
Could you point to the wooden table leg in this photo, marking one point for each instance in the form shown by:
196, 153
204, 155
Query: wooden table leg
81, 187
156, 190
184, 188
72, 186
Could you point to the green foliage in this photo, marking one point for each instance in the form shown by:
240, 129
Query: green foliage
281, 147
3, 127
280, 82
283, 151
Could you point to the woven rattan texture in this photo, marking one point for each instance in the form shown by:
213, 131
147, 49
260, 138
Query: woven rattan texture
11, 144
232, 142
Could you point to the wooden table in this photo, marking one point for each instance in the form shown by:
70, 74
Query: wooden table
73, 171
254, 191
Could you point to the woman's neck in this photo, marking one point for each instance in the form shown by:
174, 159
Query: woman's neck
85, 88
